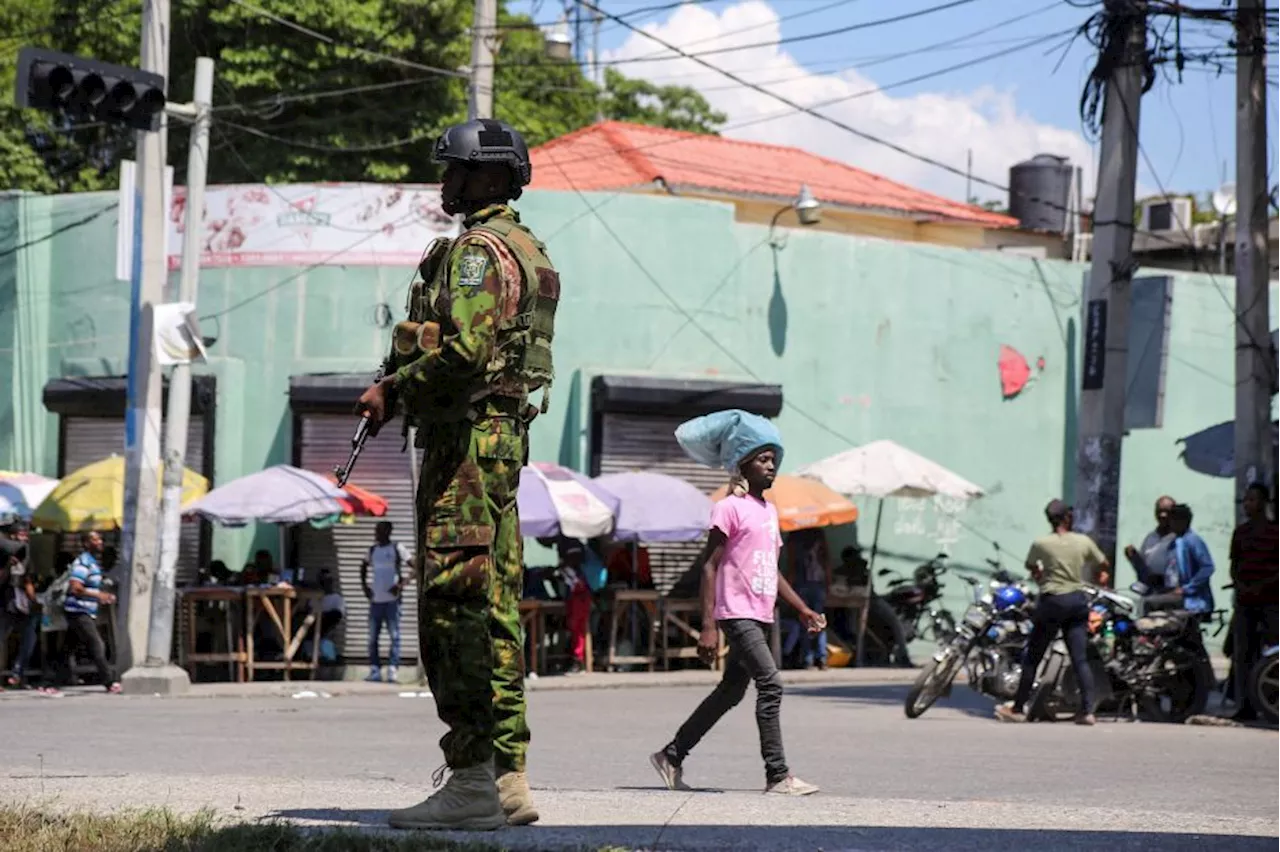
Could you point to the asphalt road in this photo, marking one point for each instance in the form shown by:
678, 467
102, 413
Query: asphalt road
954, 779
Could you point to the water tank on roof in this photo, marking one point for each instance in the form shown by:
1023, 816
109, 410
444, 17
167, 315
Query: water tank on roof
1039, 190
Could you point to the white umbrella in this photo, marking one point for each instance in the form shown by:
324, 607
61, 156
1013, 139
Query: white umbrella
278, 495
885, 469
20, 493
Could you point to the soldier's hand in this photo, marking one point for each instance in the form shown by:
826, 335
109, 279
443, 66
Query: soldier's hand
373, 404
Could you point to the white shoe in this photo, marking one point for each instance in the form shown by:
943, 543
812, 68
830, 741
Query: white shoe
393, 675
792, 786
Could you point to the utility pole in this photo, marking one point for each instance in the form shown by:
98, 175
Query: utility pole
1253, 456
483, 35
140, 535
596, 68
1106, 304
158, 674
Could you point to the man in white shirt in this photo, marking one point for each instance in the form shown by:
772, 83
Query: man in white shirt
386, 558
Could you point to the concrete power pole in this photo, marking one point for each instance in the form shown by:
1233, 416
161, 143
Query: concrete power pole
1253, 456
140, 536
483, 37
1106, 305
157, 674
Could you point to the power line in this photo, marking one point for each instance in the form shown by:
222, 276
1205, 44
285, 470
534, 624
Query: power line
319, 36
335, 149
70, 226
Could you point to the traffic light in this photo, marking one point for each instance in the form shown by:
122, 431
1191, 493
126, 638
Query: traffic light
89, 90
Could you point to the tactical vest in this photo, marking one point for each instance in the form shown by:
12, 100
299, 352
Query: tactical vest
521, 362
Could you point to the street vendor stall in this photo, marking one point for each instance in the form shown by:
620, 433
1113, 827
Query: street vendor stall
883, 469
279, 495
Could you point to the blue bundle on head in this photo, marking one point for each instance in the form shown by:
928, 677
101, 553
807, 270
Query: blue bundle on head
728, 438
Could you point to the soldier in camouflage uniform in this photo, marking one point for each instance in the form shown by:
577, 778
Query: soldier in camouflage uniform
476, 344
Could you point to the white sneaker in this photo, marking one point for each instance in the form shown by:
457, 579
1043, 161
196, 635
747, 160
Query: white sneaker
792, 786
393, 675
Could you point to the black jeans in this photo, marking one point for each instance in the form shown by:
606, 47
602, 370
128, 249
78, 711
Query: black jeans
82, 629
1070, 614
750, 658
27, 626
1254, 628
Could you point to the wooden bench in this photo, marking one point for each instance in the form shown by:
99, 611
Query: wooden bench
622, 602
858, 599
676, 614
533, 620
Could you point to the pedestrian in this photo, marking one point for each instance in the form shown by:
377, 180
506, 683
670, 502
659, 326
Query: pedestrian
1255, 556
578, 565
1151, 559
1190, 572
19, 608
476, 345
1057, 563
811, 577
84, 597
740, 586
387, 559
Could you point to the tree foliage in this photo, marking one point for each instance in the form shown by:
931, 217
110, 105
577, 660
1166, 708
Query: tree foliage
283, 111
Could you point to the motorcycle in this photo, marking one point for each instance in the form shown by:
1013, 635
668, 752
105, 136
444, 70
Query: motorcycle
1264, 682
916, 602
988, 644
1156, 665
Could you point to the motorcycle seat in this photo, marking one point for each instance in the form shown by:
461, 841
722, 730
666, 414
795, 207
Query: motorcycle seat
1161, 623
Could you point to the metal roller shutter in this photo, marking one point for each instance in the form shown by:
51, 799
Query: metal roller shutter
86, 440
325, 440
646, 442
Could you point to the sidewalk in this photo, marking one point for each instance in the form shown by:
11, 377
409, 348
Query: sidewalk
596, 680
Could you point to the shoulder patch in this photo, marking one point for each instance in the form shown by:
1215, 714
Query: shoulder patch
471, 269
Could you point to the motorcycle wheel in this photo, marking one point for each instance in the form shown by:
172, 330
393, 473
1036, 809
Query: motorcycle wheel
932, 681
1264, 684
941, 628
1181, 689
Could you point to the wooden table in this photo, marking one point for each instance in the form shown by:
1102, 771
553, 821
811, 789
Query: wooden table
533, 619
675, 614
236, 655
277, 603
622, 601
857, 598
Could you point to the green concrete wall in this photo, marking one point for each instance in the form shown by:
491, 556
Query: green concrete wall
869, 339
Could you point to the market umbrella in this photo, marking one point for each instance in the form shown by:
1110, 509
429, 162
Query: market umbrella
20, 493
657, 507
92, 498
554, 500
804, 504
361, 501
886, 469
282, 494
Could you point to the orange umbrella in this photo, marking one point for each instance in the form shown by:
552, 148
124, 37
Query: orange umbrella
804, 503
361, 501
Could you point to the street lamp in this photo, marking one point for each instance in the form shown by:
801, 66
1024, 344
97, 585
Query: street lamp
808, 211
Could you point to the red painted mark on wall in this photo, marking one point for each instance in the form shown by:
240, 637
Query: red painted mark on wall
1015, 372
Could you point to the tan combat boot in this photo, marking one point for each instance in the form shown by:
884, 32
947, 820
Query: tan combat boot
517, 801
467, 802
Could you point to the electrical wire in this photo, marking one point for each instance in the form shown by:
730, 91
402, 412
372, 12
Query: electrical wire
373, 54
334, 149
62, 229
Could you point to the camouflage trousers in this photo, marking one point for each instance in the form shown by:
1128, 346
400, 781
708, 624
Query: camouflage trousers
470, 571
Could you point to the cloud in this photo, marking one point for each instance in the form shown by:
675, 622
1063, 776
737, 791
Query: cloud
941, 124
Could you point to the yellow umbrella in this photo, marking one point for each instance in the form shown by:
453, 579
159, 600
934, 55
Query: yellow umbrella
92, 498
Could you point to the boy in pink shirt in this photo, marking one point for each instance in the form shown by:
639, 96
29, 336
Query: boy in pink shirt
740, 585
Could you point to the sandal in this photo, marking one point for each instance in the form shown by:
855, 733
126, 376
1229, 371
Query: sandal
114, 688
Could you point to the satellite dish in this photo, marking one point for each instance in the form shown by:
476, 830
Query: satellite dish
1224, 200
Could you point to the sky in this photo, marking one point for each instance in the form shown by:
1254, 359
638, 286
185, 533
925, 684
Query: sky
1018, 96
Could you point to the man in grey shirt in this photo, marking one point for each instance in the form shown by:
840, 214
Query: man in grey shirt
1151, 560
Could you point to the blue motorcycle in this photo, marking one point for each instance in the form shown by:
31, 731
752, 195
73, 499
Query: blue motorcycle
987, 645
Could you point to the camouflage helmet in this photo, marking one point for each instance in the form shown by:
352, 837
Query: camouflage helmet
486, 140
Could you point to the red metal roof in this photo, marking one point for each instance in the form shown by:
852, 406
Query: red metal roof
616, 155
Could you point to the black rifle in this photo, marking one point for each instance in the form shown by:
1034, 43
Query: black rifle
343, 472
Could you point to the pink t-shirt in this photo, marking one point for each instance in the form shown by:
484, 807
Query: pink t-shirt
747, 579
